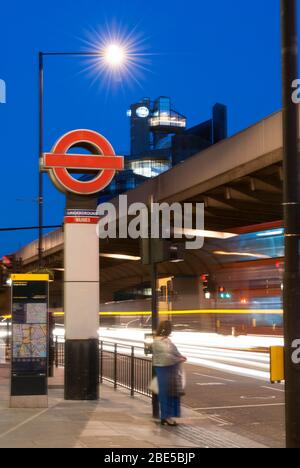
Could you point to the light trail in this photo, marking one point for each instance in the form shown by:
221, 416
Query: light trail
179, 312
235, 355
208, 350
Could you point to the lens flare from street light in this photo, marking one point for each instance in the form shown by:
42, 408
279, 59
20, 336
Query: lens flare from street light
122, 59
115, 55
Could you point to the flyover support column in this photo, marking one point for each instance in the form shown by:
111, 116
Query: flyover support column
81, 308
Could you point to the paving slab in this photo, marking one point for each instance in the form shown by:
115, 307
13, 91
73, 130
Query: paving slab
115, 421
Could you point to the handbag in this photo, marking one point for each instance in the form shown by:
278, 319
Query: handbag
177, 382
154, 386
182, 377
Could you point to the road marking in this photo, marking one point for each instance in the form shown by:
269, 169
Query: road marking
221, 422
212, 377
274, 389
237, 407
209, 384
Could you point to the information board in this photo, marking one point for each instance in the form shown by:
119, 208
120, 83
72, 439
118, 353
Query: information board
29, 357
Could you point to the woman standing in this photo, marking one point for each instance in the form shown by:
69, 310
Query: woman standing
166, 361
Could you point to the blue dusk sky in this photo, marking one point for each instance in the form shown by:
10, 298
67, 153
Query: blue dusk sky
197, 52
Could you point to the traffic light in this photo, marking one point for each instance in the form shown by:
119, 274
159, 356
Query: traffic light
8, 265
176, 252
5, 269
223, 293
160, 250
204, 279
7, 260
208, 286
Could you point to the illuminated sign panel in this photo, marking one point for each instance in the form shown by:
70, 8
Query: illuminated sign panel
29, 353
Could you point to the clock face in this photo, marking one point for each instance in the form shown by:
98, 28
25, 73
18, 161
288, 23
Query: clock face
142, 112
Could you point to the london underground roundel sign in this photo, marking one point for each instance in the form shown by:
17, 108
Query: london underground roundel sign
102, 161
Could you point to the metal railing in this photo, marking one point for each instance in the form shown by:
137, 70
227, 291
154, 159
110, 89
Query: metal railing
120, 364
59, 354
124, 366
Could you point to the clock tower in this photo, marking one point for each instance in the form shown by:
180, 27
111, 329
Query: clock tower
140, 132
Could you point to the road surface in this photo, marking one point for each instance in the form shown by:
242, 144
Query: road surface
231, 386
244, 405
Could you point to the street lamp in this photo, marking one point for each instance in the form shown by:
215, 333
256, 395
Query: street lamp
113, 56
291, 204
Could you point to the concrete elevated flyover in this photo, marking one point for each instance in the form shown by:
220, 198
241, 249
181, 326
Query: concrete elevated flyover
238, 179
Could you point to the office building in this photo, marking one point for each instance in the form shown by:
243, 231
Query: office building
160, 139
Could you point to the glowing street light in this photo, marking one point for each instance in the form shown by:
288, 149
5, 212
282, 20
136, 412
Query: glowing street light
115, 55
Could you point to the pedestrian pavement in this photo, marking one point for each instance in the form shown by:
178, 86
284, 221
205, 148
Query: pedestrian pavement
115, 421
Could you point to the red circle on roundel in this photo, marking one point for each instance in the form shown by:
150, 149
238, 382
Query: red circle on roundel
101, 146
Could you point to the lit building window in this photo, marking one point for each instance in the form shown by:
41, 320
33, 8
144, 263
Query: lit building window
2, 92
149, 168
167, 120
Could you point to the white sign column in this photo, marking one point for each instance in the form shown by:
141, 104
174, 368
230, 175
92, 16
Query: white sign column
81, 286
81, 304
